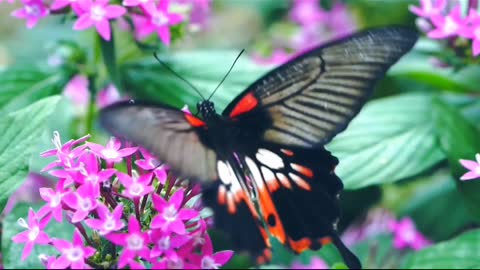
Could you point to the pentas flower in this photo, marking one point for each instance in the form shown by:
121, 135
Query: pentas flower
164, 228
378, 221
77, 92
98, 13
32, 12
429, 8
107, 96
447, 26
473, 167
74, 4
407, 236
306, 12
34, 233
315, 263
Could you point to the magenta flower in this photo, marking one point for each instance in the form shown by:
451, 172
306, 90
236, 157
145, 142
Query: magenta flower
306, 12
209, 260
315, 263
134, 243
34, 233
167, 244
406, 235
77, 92
279, 56
108, 222
98, 13
54, 199
170, 214
82, 201
65, 153
32, 12
473, 167
134, 3
111, 152
74, 4
90, 173
429, 8
107, 96
149, 162
135, 188
447, 26
72, 254
157, 20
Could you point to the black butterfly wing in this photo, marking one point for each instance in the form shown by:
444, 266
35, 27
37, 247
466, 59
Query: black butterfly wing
314, 96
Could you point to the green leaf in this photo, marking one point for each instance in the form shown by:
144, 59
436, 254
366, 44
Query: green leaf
460, 140
11, 252
21, 130
109, 59
458, 253
20, 87
204, 69
391, 139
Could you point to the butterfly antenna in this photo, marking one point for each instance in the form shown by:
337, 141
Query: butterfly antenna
226, 75
178, 75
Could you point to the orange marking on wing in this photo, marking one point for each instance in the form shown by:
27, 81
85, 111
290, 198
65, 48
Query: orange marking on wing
300, 245
273, 185
265, 257
284, 180
222, 193
268, 208
300, 182
325, 240
194, 121
287, 152
232, 209
302, 169
247, 103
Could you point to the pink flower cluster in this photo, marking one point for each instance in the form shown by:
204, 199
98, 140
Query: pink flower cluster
148, 17
147, 215
473, 167
314, 26
440, 21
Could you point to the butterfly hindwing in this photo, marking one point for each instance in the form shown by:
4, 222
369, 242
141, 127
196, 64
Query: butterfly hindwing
314, 96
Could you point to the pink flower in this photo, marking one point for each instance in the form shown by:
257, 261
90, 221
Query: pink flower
166, 244
209, 260
32, 12
108, 222
27, 192
65, 153
315, 263
429, 8
306, 12
77, 92
134, 3
170, 214
112, 152
279, 56
54, 199
34, 233
72, 254
135, 188
157, 20
82, 201
90, 173
406, 235
74, 4
447, 26
135, 243
149, 162
107, 96
473, 167
98, 14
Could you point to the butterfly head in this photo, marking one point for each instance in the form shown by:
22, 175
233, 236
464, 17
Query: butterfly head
206, 109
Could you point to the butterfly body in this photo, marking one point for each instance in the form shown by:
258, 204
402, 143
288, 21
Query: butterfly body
262, 161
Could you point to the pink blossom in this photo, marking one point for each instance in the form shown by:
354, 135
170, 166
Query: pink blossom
64, 152
27, 192
108, 222
98, 13
429, 8
166, 244
90, 173
135, 188
107, 96
54, 199
149, 162
315, 263
111, 152
34, 233
82, 201
77, 92
279, 56
209, 260
134, 243
32, 12
134, 3
406, 235
447, 26
72, 254
158, 19
473, 167
306, 12
170, 214
74, 4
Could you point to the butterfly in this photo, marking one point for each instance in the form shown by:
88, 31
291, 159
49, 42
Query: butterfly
262, 162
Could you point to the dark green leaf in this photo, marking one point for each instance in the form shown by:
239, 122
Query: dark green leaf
391, 139
21, 131
109, 59
459, 253
460, 140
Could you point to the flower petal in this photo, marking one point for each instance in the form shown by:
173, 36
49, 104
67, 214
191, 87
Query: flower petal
103, 28
471, 165
115, 11
222, 257
83, 22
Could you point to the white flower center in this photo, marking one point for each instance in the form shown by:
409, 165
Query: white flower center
209, 263
136, 189
85, 205
159, 19
33, 233
164, 243
135, 242
144, 1
477, 170
56, 199
477, 35
450, 26
32, 10
170, 213
97, 13
109, 153
175, 264
109, 225
408, 236
74, 254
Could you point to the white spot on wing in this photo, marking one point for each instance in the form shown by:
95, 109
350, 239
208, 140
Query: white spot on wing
224, 172
270, 159
257, 177
268, 174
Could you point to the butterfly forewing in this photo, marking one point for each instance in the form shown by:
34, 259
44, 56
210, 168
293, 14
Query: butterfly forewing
313, 97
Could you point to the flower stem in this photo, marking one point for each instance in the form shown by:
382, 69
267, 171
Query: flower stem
82, 231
